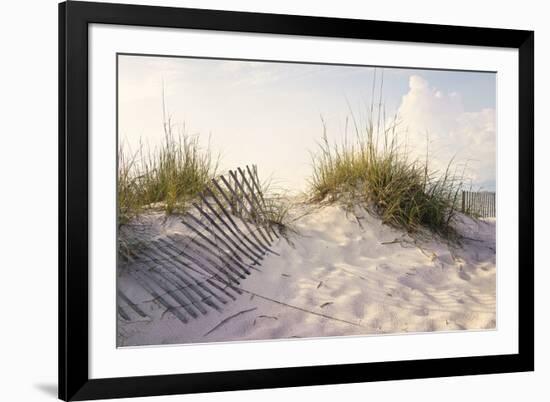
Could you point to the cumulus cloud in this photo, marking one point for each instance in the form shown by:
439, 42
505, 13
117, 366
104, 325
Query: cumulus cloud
470, 137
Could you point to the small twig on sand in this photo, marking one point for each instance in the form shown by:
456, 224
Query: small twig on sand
471, 238
229, 318
302, 309
265, 316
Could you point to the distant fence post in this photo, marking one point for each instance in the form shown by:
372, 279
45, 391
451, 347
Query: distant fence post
479, 203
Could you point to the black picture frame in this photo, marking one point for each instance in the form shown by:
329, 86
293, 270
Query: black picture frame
74, 18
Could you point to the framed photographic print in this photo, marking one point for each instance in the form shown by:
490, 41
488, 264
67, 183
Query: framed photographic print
257, 200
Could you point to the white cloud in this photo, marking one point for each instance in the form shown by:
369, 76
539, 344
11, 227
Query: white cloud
470, 137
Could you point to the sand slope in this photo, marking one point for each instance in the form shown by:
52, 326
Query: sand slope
342, 274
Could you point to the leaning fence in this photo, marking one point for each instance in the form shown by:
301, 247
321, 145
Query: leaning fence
479, 203
228, 235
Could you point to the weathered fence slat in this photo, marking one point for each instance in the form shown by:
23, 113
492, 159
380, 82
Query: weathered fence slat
157, 297
222, 232
122, 313
216, 267
195, 256
160, 280
132, 305
210, 267
217, 238
189, 273
479, 203
247, 227
256, 182
237, 263
255, 213
161, 261
261, 230
226, 283
188, 283
234, 225
230, 229
174, 252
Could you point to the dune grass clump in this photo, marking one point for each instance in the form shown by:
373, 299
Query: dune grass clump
166, 178
129, 200
276, 207
378, 173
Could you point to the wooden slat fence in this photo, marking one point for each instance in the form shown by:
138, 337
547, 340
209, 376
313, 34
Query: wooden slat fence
482, 203
229, 234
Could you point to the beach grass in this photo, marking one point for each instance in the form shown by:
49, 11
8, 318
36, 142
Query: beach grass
166, 177
376, 171
172, 175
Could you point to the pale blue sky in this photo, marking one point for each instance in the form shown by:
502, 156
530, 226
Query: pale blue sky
269, 114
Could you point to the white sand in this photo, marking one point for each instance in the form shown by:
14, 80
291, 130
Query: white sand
338, 278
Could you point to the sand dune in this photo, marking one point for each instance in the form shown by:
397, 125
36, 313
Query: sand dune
341, 274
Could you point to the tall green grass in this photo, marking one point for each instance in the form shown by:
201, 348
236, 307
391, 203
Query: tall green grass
377, 172
166, 177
